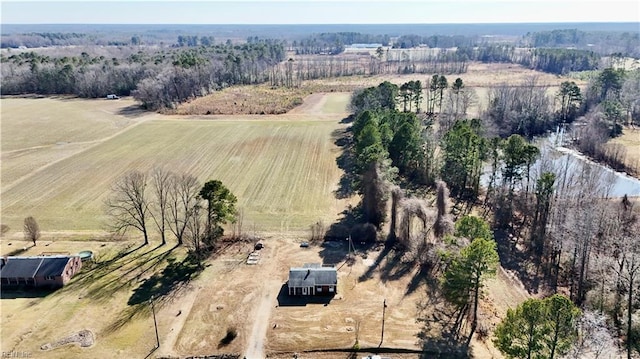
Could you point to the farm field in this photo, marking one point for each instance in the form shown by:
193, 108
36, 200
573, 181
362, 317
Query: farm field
276, 189
39, 131
477, 75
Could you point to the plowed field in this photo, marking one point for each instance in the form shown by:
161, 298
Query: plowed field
282, 168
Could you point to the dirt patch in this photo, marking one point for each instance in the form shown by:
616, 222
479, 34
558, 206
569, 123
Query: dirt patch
83, 338
261, 320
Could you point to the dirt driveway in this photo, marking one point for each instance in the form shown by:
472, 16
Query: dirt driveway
263, 305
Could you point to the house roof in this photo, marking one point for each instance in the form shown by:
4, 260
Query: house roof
20, 267
29, 267
312, 276
52, 266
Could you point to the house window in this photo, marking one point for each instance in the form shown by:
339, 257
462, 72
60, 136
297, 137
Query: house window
49, 277
319, 289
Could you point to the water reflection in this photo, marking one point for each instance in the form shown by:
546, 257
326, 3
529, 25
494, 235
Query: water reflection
575, 172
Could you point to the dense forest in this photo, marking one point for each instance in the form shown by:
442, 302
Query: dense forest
601, 42
557, 226
159, 78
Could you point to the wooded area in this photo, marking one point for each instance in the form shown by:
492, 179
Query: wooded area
194, 65
558, 227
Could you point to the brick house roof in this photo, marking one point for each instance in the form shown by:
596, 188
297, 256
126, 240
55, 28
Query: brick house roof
30, 267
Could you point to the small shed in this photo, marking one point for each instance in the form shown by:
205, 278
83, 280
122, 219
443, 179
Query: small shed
39, 271
313, 279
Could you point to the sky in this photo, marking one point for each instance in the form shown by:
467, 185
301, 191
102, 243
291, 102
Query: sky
317, 12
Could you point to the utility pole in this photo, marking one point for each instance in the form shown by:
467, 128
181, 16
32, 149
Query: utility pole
155, 323
384, 307
351, 246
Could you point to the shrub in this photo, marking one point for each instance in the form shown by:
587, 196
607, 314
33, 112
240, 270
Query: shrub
232, 333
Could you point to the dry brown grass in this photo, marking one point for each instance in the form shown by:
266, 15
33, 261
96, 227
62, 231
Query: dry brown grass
228, 293
87, 303
244, 100
262, 99
256, 99
630, 139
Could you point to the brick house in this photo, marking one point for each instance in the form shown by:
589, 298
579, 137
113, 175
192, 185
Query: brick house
40, 271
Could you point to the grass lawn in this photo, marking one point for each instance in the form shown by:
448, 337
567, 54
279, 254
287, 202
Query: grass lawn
109, 298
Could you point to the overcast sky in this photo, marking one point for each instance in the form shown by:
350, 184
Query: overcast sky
317, 12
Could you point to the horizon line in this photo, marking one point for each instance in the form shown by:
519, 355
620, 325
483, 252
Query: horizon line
352, 24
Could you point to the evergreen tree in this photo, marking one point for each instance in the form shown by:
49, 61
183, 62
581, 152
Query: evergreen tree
464, 277
538, 328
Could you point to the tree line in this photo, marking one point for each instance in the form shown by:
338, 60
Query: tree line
611, 101
157, 78
433, 41
42, 39
598, 41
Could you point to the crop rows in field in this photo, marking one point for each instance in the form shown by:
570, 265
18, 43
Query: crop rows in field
283, 172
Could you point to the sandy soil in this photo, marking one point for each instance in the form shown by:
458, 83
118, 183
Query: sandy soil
251, 298
255, 348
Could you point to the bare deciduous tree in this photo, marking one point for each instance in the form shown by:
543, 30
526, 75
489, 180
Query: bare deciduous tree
594, 338
627, 268
413, 207
182, 200
195, 231
31, 230
318, 231
162, 185
128, 206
